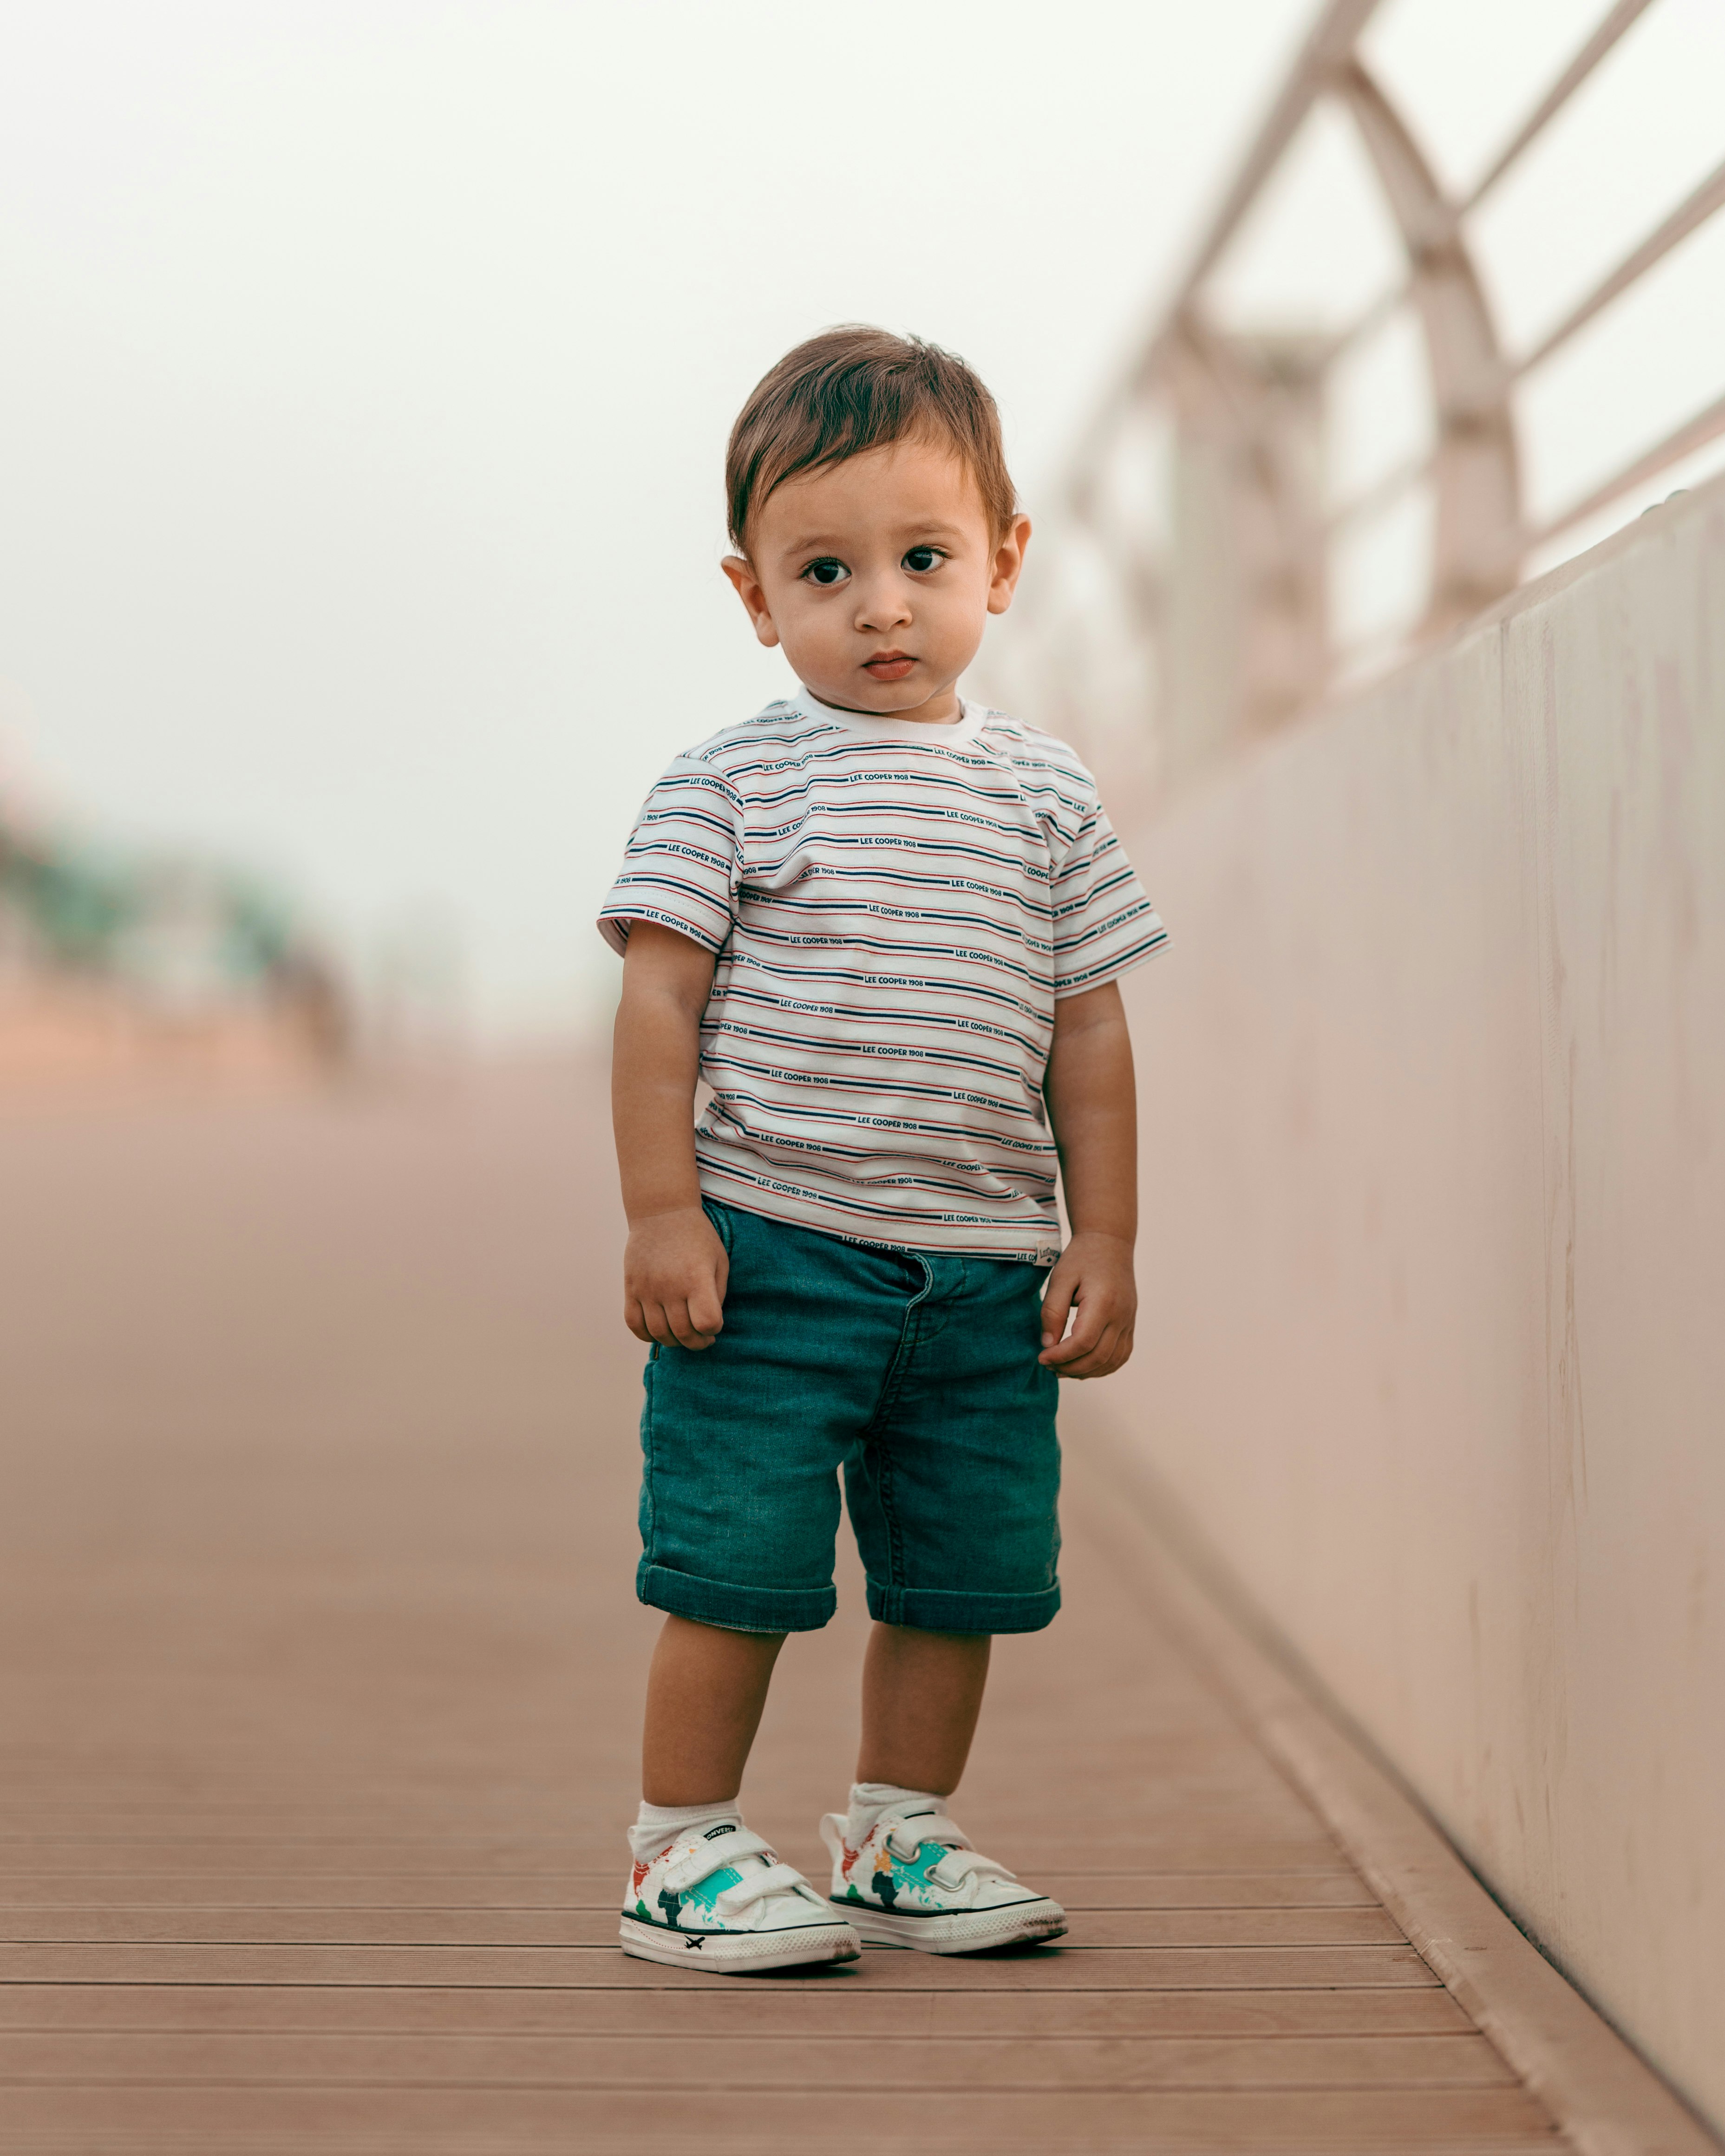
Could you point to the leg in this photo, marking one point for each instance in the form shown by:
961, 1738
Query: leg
903, 1874
704, 1694
709, 1887
923, 1693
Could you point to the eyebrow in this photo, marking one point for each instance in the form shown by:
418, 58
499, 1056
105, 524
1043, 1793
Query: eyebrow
814, 543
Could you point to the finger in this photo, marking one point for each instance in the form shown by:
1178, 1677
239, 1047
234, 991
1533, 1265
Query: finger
687, 1332
1105, 1360
659, 1324
1096, 1314
1086, 1340
706, 1312
1087, 1324
635, 1317
1123, 1350
676, 1318
1056, 1305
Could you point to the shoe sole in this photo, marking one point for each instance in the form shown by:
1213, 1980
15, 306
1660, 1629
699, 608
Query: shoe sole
739, 1954
1020, 1923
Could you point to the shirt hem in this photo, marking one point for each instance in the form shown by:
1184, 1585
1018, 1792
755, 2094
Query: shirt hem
1104, 974
614, 926
787, 1218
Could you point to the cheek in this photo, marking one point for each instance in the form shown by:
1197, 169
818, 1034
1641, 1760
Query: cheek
815, 615
812, 622
957, 605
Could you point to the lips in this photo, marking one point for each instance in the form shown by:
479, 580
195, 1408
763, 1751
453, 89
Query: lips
889, 665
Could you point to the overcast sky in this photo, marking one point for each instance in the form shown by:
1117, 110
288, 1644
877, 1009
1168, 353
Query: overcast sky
365, 370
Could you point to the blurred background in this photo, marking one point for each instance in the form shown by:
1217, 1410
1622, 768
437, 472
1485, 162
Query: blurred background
366, 369
364, 374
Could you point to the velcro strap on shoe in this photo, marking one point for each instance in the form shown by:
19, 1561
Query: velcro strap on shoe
971, 1864
705, 1858
759, 1885
908, 1835
962, 1859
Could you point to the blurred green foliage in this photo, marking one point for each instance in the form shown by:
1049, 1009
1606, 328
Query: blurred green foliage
77, 908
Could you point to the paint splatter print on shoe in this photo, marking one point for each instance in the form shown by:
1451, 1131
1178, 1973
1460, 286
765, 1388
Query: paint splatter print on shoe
722, 1900
915, 1880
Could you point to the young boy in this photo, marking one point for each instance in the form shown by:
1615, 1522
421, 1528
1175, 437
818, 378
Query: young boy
885, 925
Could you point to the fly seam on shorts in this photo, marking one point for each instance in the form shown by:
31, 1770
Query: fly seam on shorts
909, 1339
934, 1320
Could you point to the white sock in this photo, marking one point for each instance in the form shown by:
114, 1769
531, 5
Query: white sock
657, 1826
869, 1799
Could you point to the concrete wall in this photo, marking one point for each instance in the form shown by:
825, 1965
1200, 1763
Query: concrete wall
1433, 1079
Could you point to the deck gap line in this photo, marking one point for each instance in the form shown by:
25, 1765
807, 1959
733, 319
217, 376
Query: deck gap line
595, 1990
1016, 2037
777, 2088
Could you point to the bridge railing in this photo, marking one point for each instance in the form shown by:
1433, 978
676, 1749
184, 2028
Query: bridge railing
1195, 543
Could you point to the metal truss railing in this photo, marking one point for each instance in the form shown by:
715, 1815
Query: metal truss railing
1235, 609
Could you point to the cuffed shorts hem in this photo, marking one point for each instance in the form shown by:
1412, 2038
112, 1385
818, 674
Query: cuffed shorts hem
938, 1610
735, 1609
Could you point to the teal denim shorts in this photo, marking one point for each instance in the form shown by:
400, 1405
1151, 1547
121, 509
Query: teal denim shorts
911, 1373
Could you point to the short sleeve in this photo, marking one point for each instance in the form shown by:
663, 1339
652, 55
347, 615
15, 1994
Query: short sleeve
1103, 923
683, 861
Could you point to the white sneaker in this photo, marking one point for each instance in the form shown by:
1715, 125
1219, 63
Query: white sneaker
917, 1881
722, 1900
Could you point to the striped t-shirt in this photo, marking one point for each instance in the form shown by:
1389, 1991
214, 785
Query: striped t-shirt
895, 908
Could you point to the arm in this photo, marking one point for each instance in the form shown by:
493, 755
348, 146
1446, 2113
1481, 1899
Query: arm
1092, 1105
673, 1266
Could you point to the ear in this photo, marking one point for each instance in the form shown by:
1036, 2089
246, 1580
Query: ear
1008, 562
742, 572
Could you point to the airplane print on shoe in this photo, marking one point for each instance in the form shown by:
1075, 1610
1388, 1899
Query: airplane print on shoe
915, 1880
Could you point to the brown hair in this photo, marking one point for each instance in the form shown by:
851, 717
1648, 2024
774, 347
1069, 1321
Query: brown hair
855, 388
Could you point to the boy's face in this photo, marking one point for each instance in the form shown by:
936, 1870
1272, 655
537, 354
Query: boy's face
877, 576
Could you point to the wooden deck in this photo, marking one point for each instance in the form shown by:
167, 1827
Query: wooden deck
319, 1678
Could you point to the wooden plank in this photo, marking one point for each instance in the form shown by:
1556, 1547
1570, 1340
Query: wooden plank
1206, 1890
859, 2063
676, 2008
22, 1891
1165, 1969
446, 2119
1195, 1847
101, 1856
200, 1924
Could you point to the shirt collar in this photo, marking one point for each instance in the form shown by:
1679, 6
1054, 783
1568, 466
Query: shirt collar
970, 718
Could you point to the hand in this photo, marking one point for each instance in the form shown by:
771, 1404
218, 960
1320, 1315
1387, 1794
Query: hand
674, 1273
1093, 1279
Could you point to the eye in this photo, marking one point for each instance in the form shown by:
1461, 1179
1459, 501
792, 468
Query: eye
922, 559
825, 572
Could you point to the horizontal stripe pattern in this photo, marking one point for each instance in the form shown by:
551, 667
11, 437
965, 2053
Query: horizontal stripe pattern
896, 911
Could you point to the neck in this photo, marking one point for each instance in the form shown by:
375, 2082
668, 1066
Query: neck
944, 709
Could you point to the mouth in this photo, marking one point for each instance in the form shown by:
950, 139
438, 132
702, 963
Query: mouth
888, 666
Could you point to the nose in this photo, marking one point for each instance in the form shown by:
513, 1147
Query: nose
883, 603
